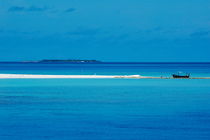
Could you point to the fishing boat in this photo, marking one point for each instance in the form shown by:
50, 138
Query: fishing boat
181, 75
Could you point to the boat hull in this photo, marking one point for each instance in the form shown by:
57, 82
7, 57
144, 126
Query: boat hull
180, 76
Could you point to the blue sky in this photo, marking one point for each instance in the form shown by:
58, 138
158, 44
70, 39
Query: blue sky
107, 30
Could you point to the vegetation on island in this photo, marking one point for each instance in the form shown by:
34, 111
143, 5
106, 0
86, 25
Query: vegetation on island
69, 60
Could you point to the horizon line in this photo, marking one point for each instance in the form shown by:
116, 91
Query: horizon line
98, 61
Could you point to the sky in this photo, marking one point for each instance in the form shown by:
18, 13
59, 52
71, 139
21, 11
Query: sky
106, 30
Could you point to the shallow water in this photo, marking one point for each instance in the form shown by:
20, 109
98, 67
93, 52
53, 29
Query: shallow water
104, 109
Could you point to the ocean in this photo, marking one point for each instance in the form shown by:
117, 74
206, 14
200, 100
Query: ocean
105, 109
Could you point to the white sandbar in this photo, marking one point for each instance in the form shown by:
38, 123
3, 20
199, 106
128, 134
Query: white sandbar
30, 76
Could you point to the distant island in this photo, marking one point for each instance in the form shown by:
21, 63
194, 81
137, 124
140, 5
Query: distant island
69, 61
56, 61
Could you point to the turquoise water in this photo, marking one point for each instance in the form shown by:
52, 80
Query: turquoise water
104, 109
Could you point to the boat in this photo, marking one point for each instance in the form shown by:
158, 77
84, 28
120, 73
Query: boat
181, 75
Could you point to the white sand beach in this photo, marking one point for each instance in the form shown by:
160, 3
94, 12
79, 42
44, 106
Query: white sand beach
34, 76
30, 76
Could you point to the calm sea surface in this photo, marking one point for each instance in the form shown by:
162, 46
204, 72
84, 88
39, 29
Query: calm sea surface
105, 109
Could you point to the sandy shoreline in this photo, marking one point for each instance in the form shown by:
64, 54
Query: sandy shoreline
34, 76
30, 76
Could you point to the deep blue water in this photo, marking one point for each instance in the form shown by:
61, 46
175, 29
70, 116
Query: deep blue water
105, 109
148, 69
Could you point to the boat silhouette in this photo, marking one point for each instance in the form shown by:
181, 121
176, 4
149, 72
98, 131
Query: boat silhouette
181, 75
